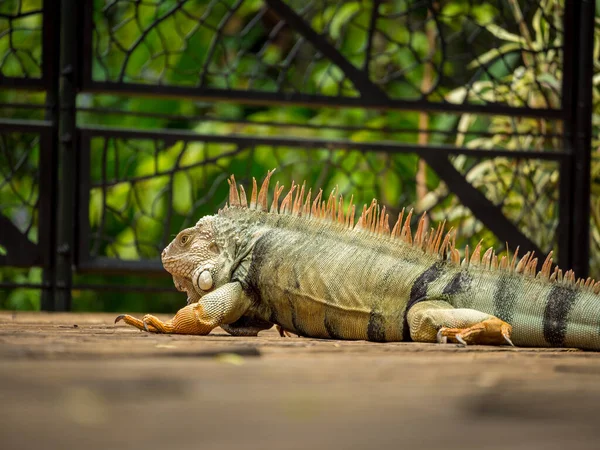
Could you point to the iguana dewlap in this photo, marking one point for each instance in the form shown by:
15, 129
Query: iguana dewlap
307, 267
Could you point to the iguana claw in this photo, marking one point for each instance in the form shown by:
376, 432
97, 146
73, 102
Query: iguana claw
441, 339
507, 339
459, 338
137, 323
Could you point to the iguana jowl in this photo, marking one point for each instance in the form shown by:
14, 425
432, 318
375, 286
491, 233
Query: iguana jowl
308, 268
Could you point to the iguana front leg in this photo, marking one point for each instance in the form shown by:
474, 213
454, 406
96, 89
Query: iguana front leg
434, 320
222, 306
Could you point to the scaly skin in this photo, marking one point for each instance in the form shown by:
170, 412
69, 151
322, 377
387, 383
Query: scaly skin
315, 274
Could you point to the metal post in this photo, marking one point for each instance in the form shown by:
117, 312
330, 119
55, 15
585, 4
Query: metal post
577, 103
49, 143
67, 153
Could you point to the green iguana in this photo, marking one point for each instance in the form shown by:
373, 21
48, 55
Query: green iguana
309, 269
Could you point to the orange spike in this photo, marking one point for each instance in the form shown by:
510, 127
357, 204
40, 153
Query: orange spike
253, 195
455, 256
243, 199
340, 215
419, 238
362, 217
438, 237
276, 194
406, 231
446, 242
234, 198
298, 200
287, 201
532, 267
350, 214
306, 208
386, 224
328, 204
495, 264
547, 266
597, 288
264, 192
487, 258
316, 203
475, 259
374, 218
504, 262
522, 263
431, 239
514, 259
382, 219
465, 262
398, 225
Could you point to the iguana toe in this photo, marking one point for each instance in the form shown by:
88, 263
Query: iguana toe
460, 340
488, 332
137, 323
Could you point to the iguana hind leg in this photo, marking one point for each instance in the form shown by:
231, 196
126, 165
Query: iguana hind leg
224, 305
434, 320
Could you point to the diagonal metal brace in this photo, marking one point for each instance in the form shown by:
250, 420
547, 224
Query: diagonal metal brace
488, 213
21, 251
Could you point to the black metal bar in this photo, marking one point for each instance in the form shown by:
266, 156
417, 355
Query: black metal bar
83, 202
108, 265
24, 126
30, 84
565, 257
67, 152
87, 51
13, 285
47, 215
306, 142
371, 35
124, 288
581, 134
18, 105
289, 98
49, 154
312, 126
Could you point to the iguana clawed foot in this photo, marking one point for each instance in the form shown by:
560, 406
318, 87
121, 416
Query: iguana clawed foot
147, 323
283, 332
489, 332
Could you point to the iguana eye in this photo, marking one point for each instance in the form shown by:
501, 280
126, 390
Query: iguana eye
184, 239
213, 248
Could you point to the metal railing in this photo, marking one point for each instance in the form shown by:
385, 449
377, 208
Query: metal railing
479, 112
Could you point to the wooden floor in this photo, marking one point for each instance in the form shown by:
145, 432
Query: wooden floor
76, 381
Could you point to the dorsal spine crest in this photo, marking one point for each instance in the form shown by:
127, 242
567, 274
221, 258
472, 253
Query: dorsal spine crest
374, 220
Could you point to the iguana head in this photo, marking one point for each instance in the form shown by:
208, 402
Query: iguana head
193, 258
